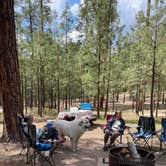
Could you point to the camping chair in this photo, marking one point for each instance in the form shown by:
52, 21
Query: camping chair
145, 131
22, 133
163, 134
39, 147
28, 133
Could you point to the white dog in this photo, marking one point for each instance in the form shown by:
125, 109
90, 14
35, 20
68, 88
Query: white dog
73, 129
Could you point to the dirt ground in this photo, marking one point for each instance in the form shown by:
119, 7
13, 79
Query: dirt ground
90, 151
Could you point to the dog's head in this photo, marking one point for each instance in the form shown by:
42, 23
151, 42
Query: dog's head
84, 123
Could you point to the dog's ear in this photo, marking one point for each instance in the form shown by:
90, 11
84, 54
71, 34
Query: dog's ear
81, 122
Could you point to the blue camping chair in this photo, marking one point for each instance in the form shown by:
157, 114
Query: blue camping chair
86, 106
163, 134
145, 131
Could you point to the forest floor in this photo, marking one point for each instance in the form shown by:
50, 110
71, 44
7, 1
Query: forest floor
90, 151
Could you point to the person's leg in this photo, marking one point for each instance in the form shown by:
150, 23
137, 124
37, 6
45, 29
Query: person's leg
106, 136
114, 135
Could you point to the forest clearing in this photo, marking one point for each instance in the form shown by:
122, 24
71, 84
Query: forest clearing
82, 81
90, 145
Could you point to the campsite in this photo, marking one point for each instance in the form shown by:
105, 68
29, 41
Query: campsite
82, 82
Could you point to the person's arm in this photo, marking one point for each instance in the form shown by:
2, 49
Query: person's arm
110, 120
39, 133
122, 125
109, 123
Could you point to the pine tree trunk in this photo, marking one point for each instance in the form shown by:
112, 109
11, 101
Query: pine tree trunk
58, 83
42, 89
158, 97
82, 94
132, 105
107, 98
98, 77
31, 95
163, 98
137, 100
117, 96
25, 92
52, 98
154, 65
39, 96
113, 101
124, 97
101, 102
69, 92
58, 93
32, 49
55, 99
66, 97
9, 70
148, 11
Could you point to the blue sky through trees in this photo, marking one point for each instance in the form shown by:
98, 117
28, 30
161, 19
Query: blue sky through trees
127, 9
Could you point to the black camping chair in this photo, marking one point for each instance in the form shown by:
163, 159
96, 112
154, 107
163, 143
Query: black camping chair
28, 133
145, 131
21, 124
39, 147
163, 134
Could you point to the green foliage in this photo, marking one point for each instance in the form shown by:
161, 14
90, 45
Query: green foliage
106, 60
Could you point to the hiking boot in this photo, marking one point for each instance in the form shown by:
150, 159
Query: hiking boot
105, 148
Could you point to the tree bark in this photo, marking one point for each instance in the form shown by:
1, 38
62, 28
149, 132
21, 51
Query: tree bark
31, 35
124, 97
154, 65
158, 97
163, 98
148, 11
113, 101
107, 96
9, 70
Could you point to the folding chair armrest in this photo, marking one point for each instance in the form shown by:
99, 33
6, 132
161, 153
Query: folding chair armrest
103, 126
50, 141
158, 131
132, 126
128, 127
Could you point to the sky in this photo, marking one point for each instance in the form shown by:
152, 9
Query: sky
127, 11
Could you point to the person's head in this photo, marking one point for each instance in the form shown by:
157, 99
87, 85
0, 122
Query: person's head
28, 119
118, 114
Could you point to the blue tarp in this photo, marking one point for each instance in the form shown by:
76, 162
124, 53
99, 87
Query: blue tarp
86, 106
163, 134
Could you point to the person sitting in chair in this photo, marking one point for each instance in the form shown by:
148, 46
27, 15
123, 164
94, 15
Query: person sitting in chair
114, 128
46, 133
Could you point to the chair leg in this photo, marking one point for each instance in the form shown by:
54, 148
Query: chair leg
47, 159
152, 141
160, 145
120, 139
